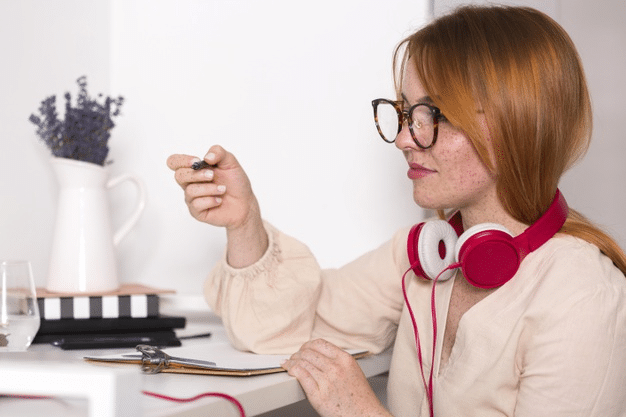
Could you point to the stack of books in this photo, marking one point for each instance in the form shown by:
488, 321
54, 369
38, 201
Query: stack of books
126, 317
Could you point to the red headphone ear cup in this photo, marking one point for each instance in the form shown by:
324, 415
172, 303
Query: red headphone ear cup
488, 255
411, 248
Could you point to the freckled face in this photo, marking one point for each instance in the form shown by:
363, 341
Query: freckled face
450, 174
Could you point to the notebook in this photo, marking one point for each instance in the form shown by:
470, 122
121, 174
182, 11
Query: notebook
209, 359
122, 324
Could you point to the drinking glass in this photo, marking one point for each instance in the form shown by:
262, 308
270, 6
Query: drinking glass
19, 313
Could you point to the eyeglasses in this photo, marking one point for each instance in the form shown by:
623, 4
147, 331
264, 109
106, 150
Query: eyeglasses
422, 118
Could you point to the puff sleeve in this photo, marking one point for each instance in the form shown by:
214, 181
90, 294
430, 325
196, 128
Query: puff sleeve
286, 298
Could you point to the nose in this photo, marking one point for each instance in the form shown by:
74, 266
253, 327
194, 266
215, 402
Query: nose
404, 140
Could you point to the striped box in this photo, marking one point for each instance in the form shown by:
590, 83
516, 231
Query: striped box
98, 307
128, 301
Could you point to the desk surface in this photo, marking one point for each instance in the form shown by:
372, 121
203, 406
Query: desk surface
257, 394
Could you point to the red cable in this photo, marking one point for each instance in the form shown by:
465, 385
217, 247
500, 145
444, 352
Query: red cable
233, 400
418, 345
428, 386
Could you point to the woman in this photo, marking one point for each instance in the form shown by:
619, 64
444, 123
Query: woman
492, 107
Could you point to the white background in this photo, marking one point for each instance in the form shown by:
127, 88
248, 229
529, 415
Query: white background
285, 85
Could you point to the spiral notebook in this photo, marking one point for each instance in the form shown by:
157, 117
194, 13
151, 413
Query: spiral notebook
208, 359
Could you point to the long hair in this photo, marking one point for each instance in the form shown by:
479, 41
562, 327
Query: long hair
520, 70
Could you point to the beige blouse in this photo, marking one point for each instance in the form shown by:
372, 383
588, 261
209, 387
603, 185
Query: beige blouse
550, 342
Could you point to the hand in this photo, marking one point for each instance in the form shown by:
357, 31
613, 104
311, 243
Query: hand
333, 381
220, 195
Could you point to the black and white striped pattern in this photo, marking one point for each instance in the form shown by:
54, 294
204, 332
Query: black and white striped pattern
97, 307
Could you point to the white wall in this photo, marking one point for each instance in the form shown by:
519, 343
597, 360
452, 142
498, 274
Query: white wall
285, 85
597, 185
45, 46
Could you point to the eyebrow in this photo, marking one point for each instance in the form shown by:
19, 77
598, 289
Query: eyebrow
421, 100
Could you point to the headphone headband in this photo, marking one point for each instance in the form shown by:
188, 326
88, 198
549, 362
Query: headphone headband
487, 253
545, 227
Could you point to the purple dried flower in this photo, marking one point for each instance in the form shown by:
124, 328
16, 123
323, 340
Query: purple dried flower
84, 132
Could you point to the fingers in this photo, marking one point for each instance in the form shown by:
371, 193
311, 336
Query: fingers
188, 175
324, 348
307, 366
221, 157
201, 197
201, 193
223, 186
311, 381
178, 161
216, 155
183, 173
333, 381
315, 358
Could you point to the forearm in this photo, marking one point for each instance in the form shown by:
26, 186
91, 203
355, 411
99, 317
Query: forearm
247, 243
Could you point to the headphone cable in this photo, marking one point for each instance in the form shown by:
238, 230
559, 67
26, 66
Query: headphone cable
230, 398
428, 386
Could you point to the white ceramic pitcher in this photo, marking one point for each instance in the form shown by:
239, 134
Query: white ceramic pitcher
83, 247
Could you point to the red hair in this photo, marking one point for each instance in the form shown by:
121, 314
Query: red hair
522, 70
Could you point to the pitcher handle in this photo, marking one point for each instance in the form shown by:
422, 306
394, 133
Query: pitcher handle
141, 204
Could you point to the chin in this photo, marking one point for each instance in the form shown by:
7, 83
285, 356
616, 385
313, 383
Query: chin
426, 203
429, 200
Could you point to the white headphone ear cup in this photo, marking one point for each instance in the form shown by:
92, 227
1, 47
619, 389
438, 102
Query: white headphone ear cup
474, 230
432, 233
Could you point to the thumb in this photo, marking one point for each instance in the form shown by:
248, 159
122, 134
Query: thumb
220, 157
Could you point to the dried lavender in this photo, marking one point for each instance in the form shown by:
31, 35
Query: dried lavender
84, 133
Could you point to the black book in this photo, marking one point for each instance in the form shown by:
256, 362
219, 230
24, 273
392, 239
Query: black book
121, 324
110, 333
161, 338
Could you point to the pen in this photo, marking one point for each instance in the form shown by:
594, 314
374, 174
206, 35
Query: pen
199, 165
195, 336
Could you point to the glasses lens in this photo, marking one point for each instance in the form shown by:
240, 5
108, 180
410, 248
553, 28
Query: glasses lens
387, 121
423, 125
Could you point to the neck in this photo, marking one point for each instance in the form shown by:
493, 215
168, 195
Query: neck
489, 210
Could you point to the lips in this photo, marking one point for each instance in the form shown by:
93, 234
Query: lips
417, 171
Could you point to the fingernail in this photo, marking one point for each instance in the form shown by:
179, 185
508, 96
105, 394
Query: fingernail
221, 188
209, 156
208, 173
218, 200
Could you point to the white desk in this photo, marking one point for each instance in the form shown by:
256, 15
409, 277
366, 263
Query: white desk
259, 395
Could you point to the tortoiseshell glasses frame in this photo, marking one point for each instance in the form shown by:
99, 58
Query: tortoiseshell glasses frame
422, 119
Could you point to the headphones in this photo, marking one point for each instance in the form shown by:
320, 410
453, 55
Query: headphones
487, 253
